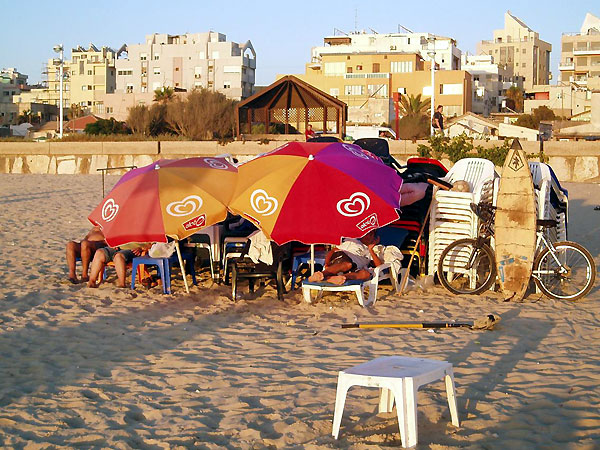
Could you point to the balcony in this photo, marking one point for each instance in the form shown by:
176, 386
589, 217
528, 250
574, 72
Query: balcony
349, 76
566, 66
588, 52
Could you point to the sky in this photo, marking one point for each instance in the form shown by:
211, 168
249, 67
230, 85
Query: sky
281, 32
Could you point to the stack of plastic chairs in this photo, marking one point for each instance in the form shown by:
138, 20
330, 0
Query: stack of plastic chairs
552, 200
451, 215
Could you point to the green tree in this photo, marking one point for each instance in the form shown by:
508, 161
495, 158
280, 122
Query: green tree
163, 94
514, 97
106, 126
533, 120
413, 105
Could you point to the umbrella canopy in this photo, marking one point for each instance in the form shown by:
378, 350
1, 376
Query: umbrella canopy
316, 193
172, 198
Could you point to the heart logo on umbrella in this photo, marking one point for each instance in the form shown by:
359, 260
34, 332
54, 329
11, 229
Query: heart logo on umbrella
216, 164
354, 206
185, 207
109, 210
355, 151
262, 203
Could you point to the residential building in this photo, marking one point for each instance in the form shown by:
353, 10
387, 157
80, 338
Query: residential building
490, 82
367, 81
520, 50
580, 53
447, 54
92, 74
187, 61
11, 83
566, 99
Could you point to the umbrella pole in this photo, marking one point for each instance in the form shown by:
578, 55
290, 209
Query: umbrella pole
312, 259
187, 289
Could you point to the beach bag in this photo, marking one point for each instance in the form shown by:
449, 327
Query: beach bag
162, 250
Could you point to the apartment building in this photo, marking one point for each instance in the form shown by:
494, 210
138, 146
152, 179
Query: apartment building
580, 53
187, 61
520, 50
366, 82
92, 74
490, 83
447, 54
11, 83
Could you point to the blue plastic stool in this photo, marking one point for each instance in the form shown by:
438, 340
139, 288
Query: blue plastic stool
305, 258
162, 265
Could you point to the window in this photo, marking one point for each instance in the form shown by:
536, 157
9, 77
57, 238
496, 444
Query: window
401, 66
523, 65
451, 89
524, 50
215, 55
402, 90
376, 68
353, 90
156, 71
129, 88
232, 69
83, 88
334, 92
227, 85
89, 72
359, 67
349, 70
334, 69
125, 72
176, 69
202, 55
156, 57
143, 57
197, 84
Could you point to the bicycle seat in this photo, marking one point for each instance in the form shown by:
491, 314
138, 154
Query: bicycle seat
546, 223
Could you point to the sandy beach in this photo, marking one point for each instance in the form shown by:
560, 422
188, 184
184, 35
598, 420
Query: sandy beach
116, 368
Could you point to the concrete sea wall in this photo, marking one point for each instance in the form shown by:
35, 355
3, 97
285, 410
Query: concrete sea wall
572, 161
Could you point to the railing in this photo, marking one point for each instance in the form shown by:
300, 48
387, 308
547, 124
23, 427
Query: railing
349, 76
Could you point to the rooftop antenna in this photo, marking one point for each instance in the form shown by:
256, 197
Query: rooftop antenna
356, 20
404, 28
374, 31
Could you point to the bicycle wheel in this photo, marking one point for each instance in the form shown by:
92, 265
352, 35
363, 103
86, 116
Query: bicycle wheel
567, 274
466, 268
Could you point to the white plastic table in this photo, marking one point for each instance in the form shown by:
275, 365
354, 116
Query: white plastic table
399, 378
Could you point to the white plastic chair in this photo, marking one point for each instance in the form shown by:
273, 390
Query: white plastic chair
546, 187
359, 288
399, 378
451, 215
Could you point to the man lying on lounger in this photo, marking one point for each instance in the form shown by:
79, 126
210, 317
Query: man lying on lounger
350, 261
85, 250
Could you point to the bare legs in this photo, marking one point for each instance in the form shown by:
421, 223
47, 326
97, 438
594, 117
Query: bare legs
84, 250
99, 263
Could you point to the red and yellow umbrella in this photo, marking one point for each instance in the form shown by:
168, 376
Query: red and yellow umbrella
173, 198
316, 193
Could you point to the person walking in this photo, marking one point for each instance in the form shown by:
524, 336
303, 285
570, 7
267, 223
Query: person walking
438, 119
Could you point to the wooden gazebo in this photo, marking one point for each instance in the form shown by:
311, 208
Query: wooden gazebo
287, 107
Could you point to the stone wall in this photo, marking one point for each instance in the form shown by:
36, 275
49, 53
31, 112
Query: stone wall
572, 161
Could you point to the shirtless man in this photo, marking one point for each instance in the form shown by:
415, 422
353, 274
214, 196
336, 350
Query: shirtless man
350, 260
84, 250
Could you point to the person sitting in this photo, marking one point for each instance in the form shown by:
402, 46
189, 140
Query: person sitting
121, 256
85, 249
350, 261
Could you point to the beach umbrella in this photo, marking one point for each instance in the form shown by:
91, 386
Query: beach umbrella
168, 198
316, 193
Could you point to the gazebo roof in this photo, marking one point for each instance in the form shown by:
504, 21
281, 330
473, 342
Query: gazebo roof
290, 92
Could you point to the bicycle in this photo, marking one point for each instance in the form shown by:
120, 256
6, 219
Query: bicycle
562, 270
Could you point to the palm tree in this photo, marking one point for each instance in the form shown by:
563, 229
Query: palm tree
514, 96
163, 94
412, 105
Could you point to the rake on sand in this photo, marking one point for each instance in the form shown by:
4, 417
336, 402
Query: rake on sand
486, 323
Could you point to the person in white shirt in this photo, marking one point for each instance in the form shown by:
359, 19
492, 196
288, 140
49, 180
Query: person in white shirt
350, 261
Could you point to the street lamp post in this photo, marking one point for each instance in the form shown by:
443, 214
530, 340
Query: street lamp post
60, 50
431, 52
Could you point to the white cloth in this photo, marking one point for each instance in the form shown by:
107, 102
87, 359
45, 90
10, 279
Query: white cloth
360, 255
162, 250
260, 248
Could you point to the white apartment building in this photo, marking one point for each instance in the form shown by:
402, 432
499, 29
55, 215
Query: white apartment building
580, 53
490, 82
447, 54
187, 61
521, 50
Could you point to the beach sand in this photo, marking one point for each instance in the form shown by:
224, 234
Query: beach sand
137, 369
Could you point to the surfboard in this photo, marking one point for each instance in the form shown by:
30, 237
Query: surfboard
515, 225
